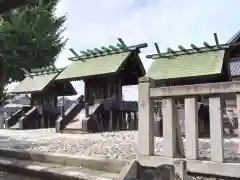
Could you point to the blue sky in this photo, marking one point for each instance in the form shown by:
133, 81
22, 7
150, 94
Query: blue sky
93, 23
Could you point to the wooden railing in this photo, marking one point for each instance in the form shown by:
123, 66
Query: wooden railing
30, 120
67, 116
172, 138
13, 119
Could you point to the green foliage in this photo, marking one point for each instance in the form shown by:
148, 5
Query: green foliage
30, 37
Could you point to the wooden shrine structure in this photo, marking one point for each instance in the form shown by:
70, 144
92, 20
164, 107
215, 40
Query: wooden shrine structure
197, 65
104, 71
44, 90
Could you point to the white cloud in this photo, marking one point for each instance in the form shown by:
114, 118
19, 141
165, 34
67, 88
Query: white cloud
169, 22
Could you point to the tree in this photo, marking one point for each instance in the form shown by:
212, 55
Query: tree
30, 37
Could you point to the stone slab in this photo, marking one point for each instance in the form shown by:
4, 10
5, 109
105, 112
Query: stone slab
101, 164
52, 171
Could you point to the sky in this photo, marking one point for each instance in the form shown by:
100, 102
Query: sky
95, 23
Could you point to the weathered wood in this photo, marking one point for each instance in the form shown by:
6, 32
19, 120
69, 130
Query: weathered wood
110, 126
157, 49
216, 129
145, 145
123, 122
191, 127
86, 109
216, 39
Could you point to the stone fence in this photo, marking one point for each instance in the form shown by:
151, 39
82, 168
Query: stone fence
173, 145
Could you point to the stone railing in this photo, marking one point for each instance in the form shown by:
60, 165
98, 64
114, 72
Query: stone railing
173, 145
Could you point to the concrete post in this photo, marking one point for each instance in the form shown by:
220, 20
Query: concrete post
216, 128
191, 128
238, 115
238, 111
180, 170
145, 144
169, 112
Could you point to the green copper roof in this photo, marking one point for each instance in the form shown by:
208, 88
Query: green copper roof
94, 66
36, 83
187, 65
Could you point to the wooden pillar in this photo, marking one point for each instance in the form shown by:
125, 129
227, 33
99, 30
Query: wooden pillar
1, 118
123, 122
110, 120
49, 122
62, 111
191, 128
216, 128
131, 121
118, 120
85, 91
128, 120
119, 91
109, 89
145, 143
42, 112
86, 109
135, 120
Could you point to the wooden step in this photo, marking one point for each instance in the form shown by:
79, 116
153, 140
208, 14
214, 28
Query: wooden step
72, 131
74, 125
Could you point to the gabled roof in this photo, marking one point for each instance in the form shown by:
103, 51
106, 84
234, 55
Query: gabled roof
234, 38
101, 65
38, 83
187, 65
34, 83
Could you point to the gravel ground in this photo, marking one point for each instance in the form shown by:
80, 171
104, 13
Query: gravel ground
117, 145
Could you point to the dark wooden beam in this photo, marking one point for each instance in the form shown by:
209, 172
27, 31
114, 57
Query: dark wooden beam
171, 51
183, 49
195, 47
26, 72
157, 49
138, 46
122, 42
202, 49
104, 51
207, 45
74, 52
216, 39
